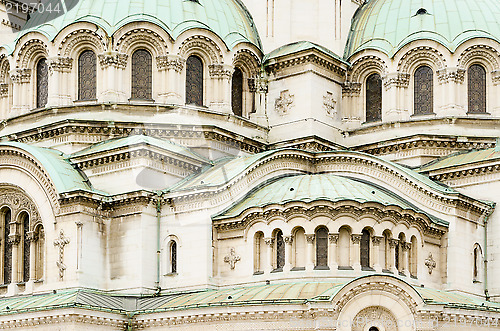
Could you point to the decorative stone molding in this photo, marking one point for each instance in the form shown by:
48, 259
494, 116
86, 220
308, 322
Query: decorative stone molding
377, 240
430, 263
329, 103
220, 71
20, 76
269, 241
393, 242
356, 239
400, 80
142, 36
169, 62
115, 59
420, 54
495, 77
364, 64
232, 258
333, 238
310, 238
201, 44
17, 200
28, 51
4, 90
481, 53
79, 38
288, 239
284, 103
351, 89
374, 316
454, 75
248, 61
331, 65
60, 64
61, 241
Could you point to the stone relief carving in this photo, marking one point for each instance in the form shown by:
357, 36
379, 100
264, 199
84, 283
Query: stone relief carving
430, 263
61, 241
284, 103
374, 316
115, 59
232, 258
329, 103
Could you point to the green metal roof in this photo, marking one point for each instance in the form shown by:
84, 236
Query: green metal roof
461, 158
229, 19
455, 300
64, 176
388, 25
308, 188
135, 140
300, 46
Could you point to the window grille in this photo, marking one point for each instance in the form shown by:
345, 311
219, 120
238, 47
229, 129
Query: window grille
87, 75
142, 72
373, 98
423, 91
42, 83
321, 247
237, 92
476, 89
194, 81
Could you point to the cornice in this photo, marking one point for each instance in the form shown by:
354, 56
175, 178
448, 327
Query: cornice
306, 57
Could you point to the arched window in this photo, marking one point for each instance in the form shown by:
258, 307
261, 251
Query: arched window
142, 71
373, 98
259, 246
87, 75
25, 248
476, 276
413, 257
386, 252
42, 83
321, 248
299, 247
344, 247
476, 89
194, 81
365, 250
39, 238
173, 257
7, 247
279, 244
423, 90
237, 92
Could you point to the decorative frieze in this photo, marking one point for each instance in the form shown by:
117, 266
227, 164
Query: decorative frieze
60, 64
454, 75
115, 59
170, 62
20, 76
220, 71
351, 89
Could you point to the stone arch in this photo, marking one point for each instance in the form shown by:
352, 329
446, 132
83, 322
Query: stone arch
418, 56
76, 41
30, 52
482, 54
132, 39
375, 316
248, 61
366, 65
202, 46
4, 69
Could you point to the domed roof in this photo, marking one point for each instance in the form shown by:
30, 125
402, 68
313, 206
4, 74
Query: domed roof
388, 25
229, 19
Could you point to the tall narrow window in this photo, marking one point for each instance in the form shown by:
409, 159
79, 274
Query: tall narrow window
396, 256
386, 252
299, 247
237, 92
142, 71
42, 83
194, 81
39, 252
365, 249
87, 75
321, 248
259, 246
7, 248
25, 248
373, 98
413, 257
344, 245
476, 276
173, 257
280, 251
476, 89
423, 91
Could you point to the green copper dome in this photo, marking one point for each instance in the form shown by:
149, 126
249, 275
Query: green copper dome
388, 25
229, 19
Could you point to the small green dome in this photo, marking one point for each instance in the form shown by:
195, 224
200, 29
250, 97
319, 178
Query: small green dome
229, 19
388, 25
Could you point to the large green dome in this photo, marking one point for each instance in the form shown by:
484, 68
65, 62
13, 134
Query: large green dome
388, 25
229, 19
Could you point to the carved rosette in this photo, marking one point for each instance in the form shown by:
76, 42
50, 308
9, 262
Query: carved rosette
20, 76
115, 59
60, 64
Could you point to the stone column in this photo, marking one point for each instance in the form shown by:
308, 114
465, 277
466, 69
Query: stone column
22, 96
268, 267
288, 253
220, 76
32, 240
350, 96
59, 81
4, 100
113, 66
171, 67
260, 86
310, 252
355, 251
376, 253
14, 240
332, 250
392, 255
406, 249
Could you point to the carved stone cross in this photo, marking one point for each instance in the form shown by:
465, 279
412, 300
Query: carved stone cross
232, 258
61, 241
430, 263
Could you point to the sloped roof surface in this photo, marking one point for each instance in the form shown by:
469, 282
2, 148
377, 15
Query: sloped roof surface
461, 159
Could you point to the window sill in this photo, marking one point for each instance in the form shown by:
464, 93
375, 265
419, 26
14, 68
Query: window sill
277, 270
478, 113
387, 271
85, 101
298, 269
413, 277
321, 267
401, 274
258, 273
171, 274
39, 280
141, 100
367, 269
476, 281
423, 115
345, 268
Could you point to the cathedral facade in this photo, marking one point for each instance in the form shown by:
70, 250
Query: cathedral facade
260, 165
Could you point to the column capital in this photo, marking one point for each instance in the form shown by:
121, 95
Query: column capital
20, 76
114, 59
310, 238
14, 239
288, 239
4, 90
170, 62
220, 71
269, 241
60, 63
393, 242
376, 240
356, 239
406, 246
333, 237
351, 89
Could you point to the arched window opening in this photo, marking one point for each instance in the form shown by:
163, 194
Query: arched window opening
24, 249
194, 81
373, 328
237, 92
39, 238
423, 91
413, 257
344, 248
173, 257
476, 89
7, 247
259, 246
42, 83
299, 247
373, 98
87, 69
142, 72
279, 244
477, 264
322, 248
365, 250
